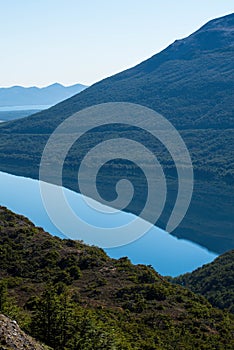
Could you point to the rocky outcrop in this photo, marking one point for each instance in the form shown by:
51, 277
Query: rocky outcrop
12, 337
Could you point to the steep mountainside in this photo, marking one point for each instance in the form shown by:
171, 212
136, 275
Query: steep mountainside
198, 69
72, 296
215, 281
191, 84
49, 95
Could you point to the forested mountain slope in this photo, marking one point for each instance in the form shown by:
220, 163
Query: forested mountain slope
191, 84
73, 296
215, 281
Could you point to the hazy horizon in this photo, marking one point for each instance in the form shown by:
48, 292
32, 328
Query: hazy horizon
84, 42
42, 86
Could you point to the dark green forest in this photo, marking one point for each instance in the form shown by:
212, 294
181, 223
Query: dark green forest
215, 281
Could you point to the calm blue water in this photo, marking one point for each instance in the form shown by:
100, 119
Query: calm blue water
23, 108
167, 254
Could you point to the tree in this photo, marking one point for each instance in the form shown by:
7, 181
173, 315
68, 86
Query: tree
3, 296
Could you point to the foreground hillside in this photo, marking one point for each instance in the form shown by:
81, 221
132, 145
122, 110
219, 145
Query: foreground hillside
215, 281
191, 84
73, 296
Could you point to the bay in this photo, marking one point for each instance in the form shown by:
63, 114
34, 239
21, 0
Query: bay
23, 108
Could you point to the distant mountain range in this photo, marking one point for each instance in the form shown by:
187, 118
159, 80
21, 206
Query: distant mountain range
49, 95
190, 83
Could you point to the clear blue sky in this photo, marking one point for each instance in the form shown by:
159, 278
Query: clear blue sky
70, 41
